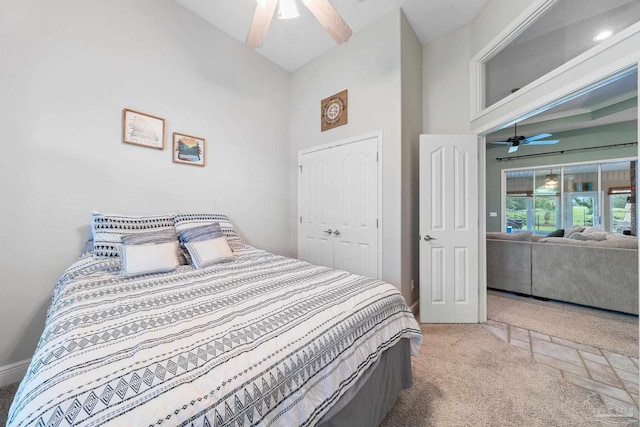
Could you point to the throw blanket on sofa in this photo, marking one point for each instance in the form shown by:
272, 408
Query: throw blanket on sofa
262, 340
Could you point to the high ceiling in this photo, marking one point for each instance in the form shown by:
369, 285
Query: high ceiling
609, 103
294, 42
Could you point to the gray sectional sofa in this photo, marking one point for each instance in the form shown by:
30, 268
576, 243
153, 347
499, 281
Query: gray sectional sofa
601, 274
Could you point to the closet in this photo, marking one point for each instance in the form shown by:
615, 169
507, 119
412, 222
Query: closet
338, 205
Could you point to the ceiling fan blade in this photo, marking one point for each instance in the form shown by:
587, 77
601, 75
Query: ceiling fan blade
500, 142
536, 137
513, 148
330, 19
261, 20
548, 142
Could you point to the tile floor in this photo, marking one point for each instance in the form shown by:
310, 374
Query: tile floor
613, 376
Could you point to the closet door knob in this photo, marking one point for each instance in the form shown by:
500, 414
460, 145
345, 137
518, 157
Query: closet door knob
329, 231
336, 232
427, 238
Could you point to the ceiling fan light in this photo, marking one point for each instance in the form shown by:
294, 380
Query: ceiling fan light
262, 3
288, 9
551, 180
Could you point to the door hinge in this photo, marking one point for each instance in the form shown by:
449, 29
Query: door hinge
377, 158
377, 226
300, 166
301, 220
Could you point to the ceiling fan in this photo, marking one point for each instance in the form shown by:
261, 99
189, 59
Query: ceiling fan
516, 140
321, 9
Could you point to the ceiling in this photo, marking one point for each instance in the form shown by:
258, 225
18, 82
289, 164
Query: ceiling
614, 102
294, 42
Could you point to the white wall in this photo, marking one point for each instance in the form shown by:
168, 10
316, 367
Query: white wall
411, 51
381, 67
67, 69
369, 66
446, 77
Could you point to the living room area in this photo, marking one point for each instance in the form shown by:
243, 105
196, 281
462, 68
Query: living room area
561, 243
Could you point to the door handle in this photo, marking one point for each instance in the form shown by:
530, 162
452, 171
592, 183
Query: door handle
427, 238
329, 231
336, 232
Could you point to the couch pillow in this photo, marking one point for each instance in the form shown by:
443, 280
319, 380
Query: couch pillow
148, 259
569, 233
598, 237
558, 233
524, 236
590, 230
107, 230
209, 252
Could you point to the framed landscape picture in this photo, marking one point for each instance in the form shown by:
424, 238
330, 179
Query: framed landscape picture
143, 129
188, 149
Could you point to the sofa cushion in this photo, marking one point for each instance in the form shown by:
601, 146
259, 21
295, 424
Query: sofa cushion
524, 236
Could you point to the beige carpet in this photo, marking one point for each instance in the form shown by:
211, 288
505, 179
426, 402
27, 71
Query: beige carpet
610, 331
466, 376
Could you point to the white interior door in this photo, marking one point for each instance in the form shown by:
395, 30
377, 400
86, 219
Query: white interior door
355, 214
315, 236
338, 206
448, 228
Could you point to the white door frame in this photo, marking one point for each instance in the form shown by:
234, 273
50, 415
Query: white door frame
376, 134
598, 64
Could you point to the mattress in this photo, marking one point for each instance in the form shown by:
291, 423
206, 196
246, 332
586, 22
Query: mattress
262, 340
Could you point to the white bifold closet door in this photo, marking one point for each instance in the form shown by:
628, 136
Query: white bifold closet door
338, 205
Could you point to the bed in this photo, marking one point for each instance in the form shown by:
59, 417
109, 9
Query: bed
255, 339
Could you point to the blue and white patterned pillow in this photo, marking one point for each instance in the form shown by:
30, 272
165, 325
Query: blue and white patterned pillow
201, 232
205, 253
139, 260
186, 221
108, 230
155, 237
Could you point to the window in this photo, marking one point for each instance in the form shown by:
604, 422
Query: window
620, 208
542, 200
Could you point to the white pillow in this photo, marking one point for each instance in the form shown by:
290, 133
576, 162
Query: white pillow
148, 259
208, 252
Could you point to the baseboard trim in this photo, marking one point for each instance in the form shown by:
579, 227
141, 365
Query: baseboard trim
13, 373
414, 307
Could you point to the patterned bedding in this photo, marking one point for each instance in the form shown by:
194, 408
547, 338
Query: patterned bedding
263, 340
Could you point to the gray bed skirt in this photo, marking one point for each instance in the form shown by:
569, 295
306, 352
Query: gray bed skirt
372, 397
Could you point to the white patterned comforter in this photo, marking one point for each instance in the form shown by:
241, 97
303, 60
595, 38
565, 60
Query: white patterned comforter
262, 340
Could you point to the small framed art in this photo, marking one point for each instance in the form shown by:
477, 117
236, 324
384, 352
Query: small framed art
188, 149
143, 129
333, 111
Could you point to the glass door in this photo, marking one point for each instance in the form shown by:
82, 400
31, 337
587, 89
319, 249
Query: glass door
581, 209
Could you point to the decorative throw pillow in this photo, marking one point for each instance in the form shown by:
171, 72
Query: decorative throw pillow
558, 233
186, 221
154, 237
107, 230
590, 230
569, 233
137, 260
209, 252
201, 232
589, 236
